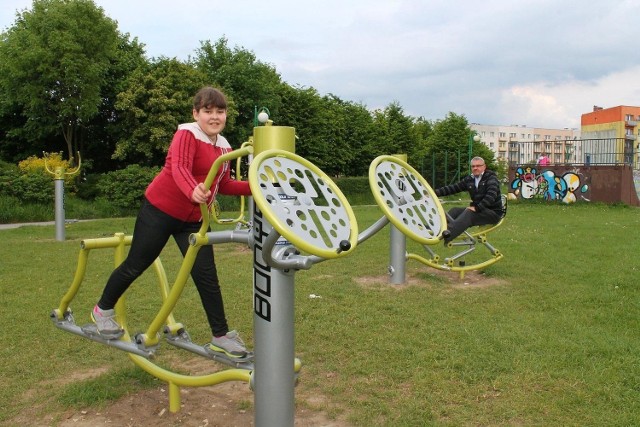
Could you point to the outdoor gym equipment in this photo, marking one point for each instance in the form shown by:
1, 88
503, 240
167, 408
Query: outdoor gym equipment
142, 347
413, 208
59, 173
296, 208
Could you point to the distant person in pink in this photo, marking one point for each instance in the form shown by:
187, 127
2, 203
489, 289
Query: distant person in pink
543, 160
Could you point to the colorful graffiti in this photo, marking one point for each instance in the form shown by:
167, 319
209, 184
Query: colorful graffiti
529, 184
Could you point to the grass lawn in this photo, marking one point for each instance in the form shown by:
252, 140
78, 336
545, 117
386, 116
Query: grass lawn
554, 340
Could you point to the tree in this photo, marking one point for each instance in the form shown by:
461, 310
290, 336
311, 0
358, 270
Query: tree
448, 148
355, 130
241, 76
98, 141
394, 132
421, 131
53, 64
447, 154
158, 97
302, 108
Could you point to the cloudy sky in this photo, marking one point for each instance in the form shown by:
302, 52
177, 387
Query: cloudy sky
540, 63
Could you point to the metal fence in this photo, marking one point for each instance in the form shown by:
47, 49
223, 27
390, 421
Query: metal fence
603, 151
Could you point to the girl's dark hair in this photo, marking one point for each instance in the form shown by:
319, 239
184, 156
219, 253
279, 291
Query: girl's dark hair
209, 97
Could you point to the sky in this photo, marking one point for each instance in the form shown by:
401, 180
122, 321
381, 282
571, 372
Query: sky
537, 63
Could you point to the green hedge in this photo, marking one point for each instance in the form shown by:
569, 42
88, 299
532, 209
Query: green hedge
125, 188
35, 186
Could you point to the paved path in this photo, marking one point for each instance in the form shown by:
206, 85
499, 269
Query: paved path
22, 224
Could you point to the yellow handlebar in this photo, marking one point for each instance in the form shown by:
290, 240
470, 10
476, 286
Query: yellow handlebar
215, 211
204, 207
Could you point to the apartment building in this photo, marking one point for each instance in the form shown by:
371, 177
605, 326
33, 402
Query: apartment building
518, 144
611, 135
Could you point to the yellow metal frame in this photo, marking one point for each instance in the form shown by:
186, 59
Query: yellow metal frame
475, 235
215, 209
60, 172
119, 242
170, 296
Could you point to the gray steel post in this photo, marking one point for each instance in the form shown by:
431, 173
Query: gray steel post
398, 246
397, 256
273, 326
59, 202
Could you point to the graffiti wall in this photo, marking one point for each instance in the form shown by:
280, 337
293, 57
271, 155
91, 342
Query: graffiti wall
571, 183
531, 182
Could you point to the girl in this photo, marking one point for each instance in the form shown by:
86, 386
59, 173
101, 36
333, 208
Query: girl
171, 207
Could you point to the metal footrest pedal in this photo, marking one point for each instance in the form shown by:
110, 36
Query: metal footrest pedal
90, 331
183, 341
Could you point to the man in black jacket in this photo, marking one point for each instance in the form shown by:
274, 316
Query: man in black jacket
486, 203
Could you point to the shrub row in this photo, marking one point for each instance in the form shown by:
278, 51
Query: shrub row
122, 189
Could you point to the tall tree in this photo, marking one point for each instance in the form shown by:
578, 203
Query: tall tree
448, 150
249, 82
421, 131
53, 65
301, 109
107, 127
395, 133
158, 97
447, 157
352, 130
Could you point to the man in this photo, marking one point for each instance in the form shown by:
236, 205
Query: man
486, 203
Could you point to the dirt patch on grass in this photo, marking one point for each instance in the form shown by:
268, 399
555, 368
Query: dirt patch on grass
228, 404
431, 277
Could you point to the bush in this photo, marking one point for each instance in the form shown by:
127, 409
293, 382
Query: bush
8, 173
88, 187
26, 186
13, 210
34, 187
125, 188
48, 165
356, 190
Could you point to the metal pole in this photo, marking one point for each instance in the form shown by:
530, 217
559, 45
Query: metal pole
273, 319
397, 256
397, 249
59, 174
470, 151
446, 167
433, 170
273, 329
59, 202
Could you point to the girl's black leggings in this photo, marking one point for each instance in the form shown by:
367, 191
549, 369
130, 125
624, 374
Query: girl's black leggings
151, 233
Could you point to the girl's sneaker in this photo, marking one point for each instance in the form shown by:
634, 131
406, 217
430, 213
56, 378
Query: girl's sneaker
230, 344
106, 323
